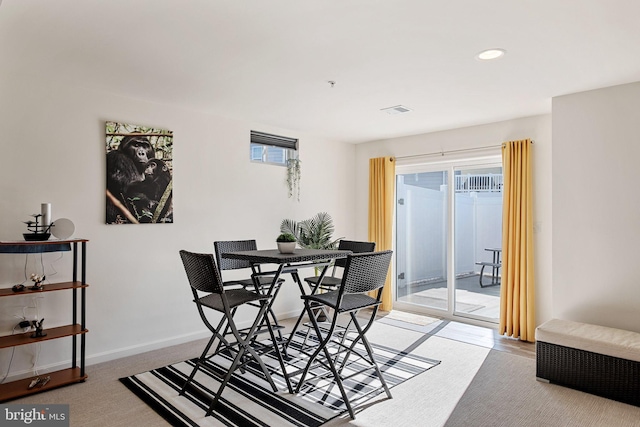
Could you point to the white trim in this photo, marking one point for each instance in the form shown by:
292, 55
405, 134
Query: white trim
450, 164
155, 345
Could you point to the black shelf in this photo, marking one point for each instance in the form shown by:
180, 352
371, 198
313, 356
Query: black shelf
76, 330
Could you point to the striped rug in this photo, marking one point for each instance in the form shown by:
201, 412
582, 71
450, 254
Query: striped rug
248, 400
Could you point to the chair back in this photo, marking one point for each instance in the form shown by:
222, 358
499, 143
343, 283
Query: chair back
365, 272
202, 272
355, 247
222, 247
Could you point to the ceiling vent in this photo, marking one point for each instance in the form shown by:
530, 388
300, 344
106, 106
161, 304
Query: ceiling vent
398, 109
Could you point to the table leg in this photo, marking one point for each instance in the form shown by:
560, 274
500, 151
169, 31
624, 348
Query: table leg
302, 293
272, 292
496, 270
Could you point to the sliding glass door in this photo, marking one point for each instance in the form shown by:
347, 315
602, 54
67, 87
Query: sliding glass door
448, 238
422, 239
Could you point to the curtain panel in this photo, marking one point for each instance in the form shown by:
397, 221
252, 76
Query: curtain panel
382, 175
517, 293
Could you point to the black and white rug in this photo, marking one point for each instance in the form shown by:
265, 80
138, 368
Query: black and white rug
248, 400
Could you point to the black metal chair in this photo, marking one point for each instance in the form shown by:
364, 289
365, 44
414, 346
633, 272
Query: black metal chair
263, 281
332, 282
363, 273
222, 247
206, 285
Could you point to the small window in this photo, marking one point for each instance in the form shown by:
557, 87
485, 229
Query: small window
273, 149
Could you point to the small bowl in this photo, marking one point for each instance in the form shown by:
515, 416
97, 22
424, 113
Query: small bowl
36, 237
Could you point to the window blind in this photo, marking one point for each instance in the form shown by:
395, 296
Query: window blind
274, 140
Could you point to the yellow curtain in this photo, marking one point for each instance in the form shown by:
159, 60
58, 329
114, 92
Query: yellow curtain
517, 293
382, 175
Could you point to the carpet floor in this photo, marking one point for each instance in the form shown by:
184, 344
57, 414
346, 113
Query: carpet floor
505, 393
473, 386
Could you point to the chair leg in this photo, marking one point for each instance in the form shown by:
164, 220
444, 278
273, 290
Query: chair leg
312, 290
279, 354
195, 368
203, 357
330, 361
224, 333
365, 342
322, 348
345, 333
270, 311
322, 342
262, 315
226, 379
244, 345
336, 376
295, 328
319, 309
224, 342
273, 314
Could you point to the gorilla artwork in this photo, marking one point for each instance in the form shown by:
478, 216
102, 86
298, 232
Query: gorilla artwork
139, 186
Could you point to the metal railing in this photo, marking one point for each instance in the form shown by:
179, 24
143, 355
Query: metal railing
489, 182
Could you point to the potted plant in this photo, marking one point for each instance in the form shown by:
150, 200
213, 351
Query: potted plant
312, 233
286, 243
293, 177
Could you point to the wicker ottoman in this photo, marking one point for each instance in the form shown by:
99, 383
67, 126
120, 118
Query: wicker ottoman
590, 358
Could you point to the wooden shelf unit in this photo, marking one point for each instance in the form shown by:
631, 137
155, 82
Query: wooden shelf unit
77, 328
16, 389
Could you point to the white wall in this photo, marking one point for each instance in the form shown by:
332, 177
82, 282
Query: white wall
52, 150
537, 128
596, 213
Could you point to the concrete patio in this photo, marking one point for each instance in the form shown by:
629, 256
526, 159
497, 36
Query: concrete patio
470, 298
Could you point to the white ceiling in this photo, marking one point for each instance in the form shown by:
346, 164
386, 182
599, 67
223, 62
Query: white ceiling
269, 61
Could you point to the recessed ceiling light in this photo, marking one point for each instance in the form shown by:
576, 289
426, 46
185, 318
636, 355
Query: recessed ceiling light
489, 54
398, 109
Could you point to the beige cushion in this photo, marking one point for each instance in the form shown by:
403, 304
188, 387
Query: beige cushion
594, 338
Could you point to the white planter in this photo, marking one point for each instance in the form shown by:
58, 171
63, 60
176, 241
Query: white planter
286, 247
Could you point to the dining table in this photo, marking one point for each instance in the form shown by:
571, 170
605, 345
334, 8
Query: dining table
285, 263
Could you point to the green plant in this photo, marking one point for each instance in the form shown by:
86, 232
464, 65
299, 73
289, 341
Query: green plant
313, 233
286, 237
293, 177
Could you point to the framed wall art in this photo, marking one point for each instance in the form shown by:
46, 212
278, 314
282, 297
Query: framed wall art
139, 174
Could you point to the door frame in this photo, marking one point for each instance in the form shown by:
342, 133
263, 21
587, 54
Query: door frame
413, 165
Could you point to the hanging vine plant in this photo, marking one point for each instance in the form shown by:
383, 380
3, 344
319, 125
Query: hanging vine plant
293, 178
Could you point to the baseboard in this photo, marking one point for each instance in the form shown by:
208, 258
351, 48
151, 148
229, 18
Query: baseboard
168, 342
111, 355
107, 356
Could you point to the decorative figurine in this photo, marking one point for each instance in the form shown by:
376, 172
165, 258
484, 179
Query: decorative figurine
39, 333
37, 280
37, 232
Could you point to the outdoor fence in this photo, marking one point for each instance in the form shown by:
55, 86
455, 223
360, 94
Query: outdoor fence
422, 221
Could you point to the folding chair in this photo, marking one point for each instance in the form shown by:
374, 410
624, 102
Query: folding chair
204, 278
363, 273
332, 282
224, 246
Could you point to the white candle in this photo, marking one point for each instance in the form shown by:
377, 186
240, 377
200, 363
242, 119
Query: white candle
45, 210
